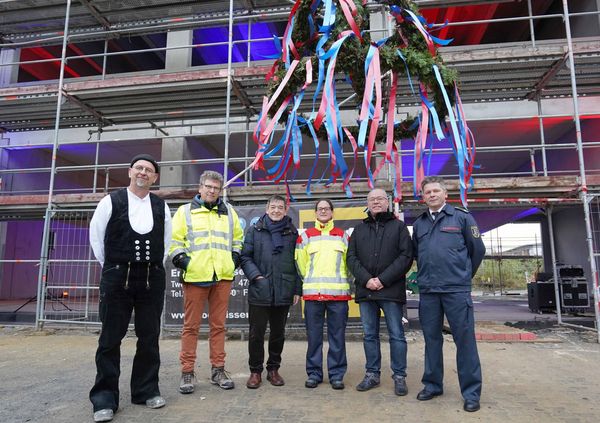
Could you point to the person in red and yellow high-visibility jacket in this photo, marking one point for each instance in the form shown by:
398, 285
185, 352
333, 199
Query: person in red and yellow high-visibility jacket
321, 261
206, 246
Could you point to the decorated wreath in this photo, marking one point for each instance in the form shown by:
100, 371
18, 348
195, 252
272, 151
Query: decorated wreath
326, 42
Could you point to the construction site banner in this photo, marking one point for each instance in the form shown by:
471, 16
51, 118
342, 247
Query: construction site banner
347, 215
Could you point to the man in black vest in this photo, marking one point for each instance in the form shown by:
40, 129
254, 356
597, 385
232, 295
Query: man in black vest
130, 234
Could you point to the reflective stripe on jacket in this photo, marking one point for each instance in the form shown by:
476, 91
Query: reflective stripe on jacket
321, 261
208, 237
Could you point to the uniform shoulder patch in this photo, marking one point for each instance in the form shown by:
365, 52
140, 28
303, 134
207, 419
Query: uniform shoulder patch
475, 232
462, 209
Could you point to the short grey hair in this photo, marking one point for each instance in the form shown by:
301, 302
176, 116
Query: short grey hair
211, 175
434, 180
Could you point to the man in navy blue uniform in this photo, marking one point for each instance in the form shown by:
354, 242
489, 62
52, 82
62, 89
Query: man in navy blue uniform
449, 249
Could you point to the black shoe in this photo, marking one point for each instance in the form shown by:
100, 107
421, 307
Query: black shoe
471, 405
370, 381
311, 383
425, 395
400, 387
337, 384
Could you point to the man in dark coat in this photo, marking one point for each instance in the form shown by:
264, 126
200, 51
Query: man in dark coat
268, 262
449, 250
379, 255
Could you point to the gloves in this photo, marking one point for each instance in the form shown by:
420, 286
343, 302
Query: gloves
181, 261
236, 259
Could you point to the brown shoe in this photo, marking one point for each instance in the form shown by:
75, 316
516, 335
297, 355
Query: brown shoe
254, 381
274, 377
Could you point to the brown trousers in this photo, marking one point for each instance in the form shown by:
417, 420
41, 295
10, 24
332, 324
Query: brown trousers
195, 298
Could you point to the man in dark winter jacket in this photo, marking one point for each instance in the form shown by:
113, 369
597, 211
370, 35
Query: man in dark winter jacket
449, 250
268, 262
379, 255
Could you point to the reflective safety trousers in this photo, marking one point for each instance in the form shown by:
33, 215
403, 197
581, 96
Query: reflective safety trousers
208, 237
321, 261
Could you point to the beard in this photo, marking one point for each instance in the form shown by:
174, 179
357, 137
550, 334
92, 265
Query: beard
141, 183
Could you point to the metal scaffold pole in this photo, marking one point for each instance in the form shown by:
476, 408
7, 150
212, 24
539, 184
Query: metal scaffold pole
585, 197
228, 98
555, 276
42, 275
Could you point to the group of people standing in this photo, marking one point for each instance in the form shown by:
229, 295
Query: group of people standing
132, 234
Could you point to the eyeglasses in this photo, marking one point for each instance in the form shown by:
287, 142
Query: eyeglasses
377, 199
212, 188
323, 209
140, 169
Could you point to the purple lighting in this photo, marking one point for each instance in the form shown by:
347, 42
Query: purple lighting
434, 163
259, 50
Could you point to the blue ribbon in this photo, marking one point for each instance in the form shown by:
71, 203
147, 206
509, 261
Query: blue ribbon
459, 142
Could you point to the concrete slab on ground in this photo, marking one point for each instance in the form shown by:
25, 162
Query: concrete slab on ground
46, 377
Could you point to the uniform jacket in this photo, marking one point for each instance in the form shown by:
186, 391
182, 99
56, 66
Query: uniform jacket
210, 238
321, 260
449, 250
281, 280
380, 247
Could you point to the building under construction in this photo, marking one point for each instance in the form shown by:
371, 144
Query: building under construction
87, 84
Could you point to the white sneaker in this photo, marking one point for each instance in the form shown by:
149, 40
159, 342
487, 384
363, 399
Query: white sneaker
156, 402
104, 415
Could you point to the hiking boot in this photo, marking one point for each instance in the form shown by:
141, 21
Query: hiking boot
400, 387
370, 381
186, 384
220, 377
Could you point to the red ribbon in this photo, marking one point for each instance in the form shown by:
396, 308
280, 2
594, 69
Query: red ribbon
350, 11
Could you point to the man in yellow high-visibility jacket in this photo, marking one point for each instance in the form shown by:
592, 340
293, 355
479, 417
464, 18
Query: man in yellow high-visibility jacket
321, 261
207, 241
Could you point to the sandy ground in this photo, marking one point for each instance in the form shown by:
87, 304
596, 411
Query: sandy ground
46, 376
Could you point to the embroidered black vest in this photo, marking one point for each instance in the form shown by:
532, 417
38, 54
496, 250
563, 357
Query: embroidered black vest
124, 245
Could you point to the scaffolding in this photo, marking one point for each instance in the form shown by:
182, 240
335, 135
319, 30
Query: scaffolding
161, 105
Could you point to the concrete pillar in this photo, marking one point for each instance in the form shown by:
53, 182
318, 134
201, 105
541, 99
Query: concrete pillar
378, 25
598, 10
3, 282
9, 74
179, 59
171, 177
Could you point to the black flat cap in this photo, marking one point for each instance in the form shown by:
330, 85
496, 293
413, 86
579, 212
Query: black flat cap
148, 158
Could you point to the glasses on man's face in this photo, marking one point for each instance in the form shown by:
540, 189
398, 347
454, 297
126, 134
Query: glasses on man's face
323, 209
140, 169
377, 199
212, 188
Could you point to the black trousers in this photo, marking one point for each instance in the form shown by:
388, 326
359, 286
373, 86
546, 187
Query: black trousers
258, 318
124, 289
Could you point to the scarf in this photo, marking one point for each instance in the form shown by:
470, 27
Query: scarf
276, 230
